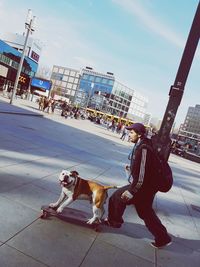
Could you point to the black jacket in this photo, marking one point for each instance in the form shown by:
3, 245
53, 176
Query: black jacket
143, 169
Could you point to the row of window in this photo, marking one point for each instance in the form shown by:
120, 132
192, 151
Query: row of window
68, 72
15, 65
97, 79
68, 92
5, 59
65, 78
122, 93
65, 85
118, 106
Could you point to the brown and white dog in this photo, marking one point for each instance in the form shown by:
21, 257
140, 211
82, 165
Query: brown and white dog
74, 187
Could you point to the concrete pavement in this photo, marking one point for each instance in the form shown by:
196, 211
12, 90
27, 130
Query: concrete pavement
34, 149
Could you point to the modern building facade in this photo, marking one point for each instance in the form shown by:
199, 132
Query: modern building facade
9, 63
33, 48
192, 120
127, 102
190, 129
98, 91
96, 88
65, 82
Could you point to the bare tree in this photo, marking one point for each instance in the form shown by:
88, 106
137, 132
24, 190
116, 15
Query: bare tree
43, 72
56, 91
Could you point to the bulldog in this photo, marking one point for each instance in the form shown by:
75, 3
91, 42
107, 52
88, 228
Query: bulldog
74, 187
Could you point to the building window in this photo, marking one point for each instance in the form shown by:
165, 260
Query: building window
65, 78
98, 79
69, 85
71, 79
85, 76
63, 84
61, 71
72, 73
91, 78
66, 72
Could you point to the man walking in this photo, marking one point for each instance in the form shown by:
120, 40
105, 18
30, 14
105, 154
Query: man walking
141, 190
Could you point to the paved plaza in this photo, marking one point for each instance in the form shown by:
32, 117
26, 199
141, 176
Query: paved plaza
34, 148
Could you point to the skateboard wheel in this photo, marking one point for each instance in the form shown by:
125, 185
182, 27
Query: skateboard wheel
44, 215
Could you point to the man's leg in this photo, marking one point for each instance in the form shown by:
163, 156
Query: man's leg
153, 223
116, 207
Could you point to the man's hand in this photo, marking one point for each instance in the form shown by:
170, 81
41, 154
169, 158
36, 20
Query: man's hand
127, 168
126, 196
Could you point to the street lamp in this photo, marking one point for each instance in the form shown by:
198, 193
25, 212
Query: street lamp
30, 27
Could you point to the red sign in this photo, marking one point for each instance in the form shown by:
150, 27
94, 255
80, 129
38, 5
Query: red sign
35, 56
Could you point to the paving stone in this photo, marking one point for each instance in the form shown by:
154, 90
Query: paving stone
10, 257
103, 254
14, 218
54, 242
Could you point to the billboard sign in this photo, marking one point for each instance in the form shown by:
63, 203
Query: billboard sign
40, 83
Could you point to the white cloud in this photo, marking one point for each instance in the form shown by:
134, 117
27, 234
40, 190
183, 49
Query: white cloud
149, 20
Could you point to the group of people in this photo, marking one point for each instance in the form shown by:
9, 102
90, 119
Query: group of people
49, 104
46, 104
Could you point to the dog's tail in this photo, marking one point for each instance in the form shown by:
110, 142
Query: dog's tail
112, 187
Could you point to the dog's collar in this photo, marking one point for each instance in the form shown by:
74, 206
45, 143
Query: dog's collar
75, 180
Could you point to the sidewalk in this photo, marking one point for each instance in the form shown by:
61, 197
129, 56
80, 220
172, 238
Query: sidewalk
34, 149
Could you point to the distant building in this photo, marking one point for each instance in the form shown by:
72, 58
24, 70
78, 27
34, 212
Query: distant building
192, 120
65, 82
97, 88
190, 130
147, 119
33, 48
100, 91
155, 123
9, 63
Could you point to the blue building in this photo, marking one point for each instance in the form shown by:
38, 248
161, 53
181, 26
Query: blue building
9, 63
93, 82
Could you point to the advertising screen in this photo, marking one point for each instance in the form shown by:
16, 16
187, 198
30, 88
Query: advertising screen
43, 84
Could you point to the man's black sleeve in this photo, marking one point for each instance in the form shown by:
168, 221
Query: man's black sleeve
138, 169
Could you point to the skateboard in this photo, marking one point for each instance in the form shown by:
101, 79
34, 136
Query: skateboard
70, 215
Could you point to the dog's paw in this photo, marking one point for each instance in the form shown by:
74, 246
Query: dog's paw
59, 210
93, 220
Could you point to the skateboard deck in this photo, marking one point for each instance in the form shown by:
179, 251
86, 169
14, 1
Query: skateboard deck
70, 215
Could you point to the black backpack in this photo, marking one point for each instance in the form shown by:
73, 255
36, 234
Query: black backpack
164, 176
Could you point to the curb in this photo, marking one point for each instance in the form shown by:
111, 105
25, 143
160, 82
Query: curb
23, 114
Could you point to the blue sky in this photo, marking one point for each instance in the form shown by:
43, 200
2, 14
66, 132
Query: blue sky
140, 41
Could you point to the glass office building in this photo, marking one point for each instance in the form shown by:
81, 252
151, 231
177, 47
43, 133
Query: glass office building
126, 102
97, 88
98, 91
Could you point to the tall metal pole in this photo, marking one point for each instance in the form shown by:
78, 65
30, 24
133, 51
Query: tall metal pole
29, 26
162, 140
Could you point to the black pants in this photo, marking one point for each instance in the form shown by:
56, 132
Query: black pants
143, 205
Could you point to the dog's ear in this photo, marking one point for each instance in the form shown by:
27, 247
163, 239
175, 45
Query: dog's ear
74, 173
